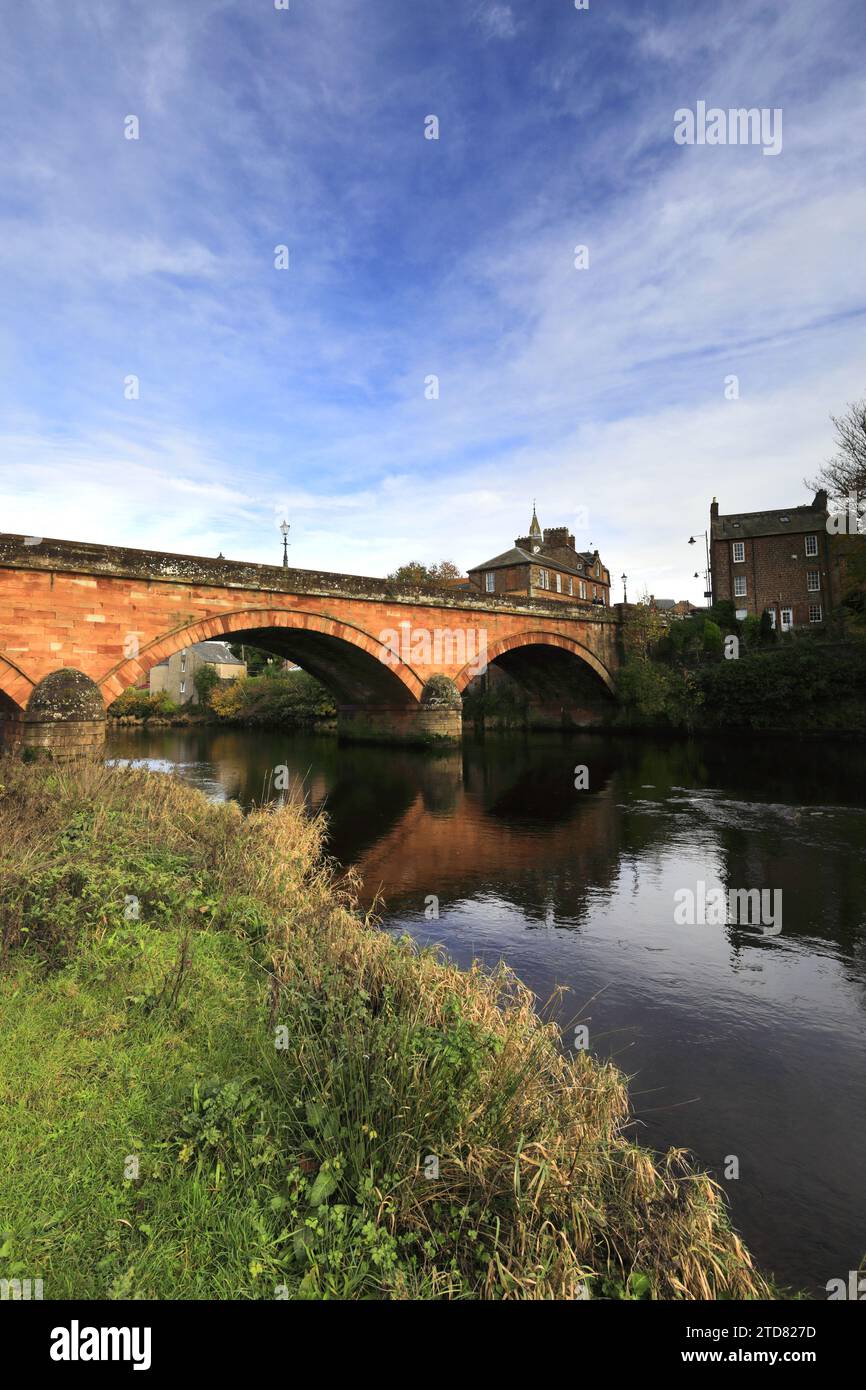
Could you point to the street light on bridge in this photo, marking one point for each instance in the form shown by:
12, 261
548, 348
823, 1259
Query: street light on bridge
285, 528
624, 577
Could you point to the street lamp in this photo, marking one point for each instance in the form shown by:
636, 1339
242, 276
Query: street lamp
285, 528
708, 589
623, 577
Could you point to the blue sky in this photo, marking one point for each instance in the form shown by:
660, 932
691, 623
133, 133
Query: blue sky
262, 391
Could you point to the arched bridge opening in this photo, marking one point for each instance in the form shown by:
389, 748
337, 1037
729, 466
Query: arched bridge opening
546, 680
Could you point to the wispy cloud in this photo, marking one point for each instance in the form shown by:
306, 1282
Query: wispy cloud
263, 391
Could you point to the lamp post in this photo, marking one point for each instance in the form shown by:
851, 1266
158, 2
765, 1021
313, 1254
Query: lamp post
708, 575
623, 577
285, 528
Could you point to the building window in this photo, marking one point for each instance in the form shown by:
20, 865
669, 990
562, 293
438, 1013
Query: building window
597, 572
816, 613
740, 586
183, 687
813, 581
183, 660
490, 582
811, 545
570, 585
739, 552
542, 579
559, 583
787, 619
582, 589
772, 614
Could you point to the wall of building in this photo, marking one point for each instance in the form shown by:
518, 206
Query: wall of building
776, 570
177, 677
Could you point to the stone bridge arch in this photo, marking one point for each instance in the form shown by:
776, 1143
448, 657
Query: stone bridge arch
517, 652
355, 666
16, 687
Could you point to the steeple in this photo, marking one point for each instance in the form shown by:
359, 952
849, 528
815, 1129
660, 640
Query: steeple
534, 528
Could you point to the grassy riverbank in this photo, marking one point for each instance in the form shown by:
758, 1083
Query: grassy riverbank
219, 1081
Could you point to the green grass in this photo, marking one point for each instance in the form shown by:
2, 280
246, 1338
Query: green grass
317, 1110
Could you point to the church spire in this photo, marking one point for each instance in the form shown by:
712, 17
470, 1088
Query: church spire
534, 528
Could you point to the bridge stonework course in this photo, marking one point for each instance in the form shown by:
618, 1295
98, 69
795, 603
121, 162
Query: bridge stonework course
79, 623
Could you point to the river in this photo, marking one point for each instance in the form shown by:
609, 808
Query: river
745, 1044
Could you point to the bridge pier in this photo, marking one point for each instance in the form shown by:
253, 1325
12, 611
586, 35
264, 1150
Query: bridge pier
405, 724
64, 718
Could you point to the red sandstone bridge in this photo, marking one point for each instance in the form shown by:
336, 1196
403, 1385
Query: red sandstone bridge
79, 623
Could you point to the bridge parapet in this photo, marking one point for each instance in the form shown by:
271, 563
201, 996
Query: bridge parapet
41, 553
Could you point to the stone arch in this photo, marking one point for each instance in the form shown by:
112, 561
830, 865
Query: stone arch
354, 665
16, 687
539, 638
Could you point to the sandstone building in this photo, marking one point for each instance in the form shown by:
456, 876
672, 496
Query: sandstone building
784, 562
177, 674
545, 564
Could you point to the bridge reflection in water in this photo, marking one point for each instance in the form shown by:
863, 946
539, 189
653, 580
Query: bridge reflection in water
738, 1043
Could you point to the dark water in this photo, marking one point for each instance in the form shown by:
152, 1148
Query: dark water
739, 1042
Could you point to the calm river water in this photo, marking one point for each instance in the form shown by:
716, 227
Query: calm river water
739, 1043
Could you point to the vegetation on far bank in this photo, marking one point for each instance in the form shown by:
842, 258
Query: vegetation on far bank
274, 698
221, 1081
682, 677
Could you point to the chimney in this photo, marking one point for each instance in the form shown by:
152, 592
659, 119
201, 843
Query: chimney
714, 509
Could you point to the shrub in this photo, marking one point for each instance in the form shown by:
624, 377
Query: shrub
286, 697
140, 704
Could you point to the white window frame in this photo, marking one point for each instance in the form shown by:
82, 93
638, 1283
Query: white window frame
582, 589
740, 588
812, 541
570, 585
489, 582
813, 581
739, 546
183, 687
558, 583
787, 619
816, 608
772, 613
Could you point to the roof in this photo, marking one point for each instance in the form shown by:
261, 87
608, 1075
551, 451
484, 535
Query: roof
216, 653
517, 556
780, 522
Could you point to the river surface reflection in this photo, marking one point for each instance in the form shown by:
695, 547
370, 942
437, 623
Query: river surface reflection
738, 1043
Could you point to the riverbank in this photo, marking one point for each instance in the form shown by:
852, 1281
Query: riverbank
225, 1082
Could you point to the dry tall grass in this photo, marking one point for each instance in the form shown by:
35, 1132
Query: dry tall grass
531, 1144
394, 1058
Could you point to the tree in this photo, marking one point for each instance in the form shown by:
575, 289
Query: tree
205, 681
257, 661
429, 576
644, 627
844, 475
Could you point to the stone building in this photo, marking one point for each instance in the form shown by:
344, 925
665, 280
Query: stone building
177, 675
545, 564
782, 562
